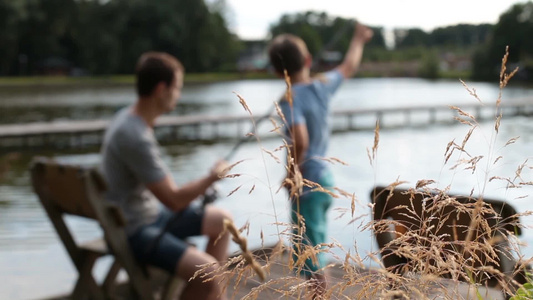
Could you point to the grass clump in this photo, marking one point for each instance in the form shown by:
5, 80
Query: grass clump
433, 245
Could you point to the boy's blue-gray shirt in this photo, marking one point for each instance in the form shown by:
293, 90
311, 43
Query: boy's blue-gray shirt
311, 107
130, 160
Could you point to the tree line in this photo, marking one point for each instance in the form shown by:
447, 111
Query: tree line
107, 36
484, 44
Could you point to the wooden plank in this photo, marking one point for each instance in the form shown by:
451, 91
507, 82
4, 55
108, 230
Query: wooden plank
97, 246
84, 127
14, 130
88, 126
116, 238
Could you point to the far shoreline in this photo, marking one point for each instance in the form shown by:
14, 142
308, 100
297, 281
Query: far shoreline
190, 78
117, 80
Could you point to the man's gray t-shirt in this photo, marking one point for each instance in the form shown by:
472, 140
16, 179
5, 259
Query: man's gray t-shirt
130, 161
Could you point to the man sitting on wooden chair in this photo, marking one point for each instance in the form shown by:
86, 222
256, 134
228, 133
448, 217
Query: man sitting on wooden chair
139, 182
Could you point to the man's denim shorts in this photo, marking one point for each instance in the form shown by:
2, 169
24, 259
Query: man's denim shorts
162, 243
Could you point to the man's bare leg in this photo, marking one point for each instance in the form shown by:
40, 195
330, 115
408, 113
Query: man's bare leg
212, 227
216, 254
198, 288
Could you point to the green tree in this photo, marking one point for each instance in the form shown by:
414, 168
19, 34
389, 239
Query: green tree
96, 36
308, 26
460, 36
429, 65
107, 37
44, 30
11, 13
413, 37
514, 29
185, 28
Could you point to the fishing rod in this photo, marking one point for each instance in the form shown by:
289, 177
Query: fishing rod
250, 134
212, 193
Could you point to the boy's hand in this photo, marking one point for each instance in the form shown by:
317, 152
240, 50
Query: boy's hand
352, 59
363, 33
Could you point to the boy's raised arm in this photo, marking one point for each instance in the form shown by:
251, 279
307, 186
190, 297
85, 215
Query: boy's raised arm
352, 59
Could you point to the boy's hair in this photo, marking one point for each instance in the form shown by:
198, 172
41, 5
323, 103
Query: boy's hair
285, 53
154, 67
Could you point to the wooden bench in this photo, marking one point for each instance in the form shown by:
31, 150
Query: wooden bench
402, 213
74, 190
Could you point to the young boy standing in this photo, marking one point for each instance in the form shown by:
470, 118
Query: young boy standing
308, 135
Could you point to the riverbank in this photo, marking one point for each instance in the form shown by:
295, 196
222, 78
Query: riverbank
367, 71
121, 79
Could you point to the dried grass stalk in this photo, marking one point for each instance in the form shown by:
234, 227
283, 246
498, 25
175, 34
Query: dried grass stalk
246, 254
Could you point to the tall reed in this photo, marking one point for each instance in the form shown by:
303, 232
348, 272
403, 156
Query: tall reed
469, 257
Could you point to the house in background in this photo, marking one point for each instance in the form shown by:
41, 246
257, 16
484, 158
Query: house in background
452, 62
54, 66
254, 57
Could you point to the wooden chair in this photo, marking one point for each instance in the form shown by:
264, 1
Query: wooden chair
417, 212
73, 190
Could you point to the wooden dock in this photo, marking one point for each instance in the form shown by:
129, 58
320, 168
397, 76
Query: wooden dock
87, 133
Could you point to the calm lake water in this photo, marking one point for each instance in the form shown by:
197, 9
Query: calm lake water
33, 263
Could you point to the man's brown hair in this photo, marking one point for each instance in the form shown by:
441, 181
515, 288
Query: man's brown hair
285, 53
154, 67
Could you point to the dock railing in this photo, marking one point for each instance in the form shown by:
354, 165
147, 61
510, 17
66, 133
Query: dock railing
87, 133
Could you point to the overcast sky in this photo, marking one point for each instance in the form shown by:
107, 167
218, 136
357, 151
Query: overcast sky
250, 19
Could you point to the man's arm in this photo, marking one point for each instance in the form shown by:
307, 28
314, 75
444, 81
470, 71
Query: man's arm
352, 59
177, 198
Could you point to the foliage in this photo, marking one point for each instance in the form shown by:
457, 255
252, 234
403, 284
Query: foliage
429, 67
318, 28
514, 29
526, 291
9, 11
410, 38
107, 37
450, 37
461, 35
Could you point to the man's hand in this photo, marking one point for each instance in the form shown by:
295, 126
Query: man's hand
219, 170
